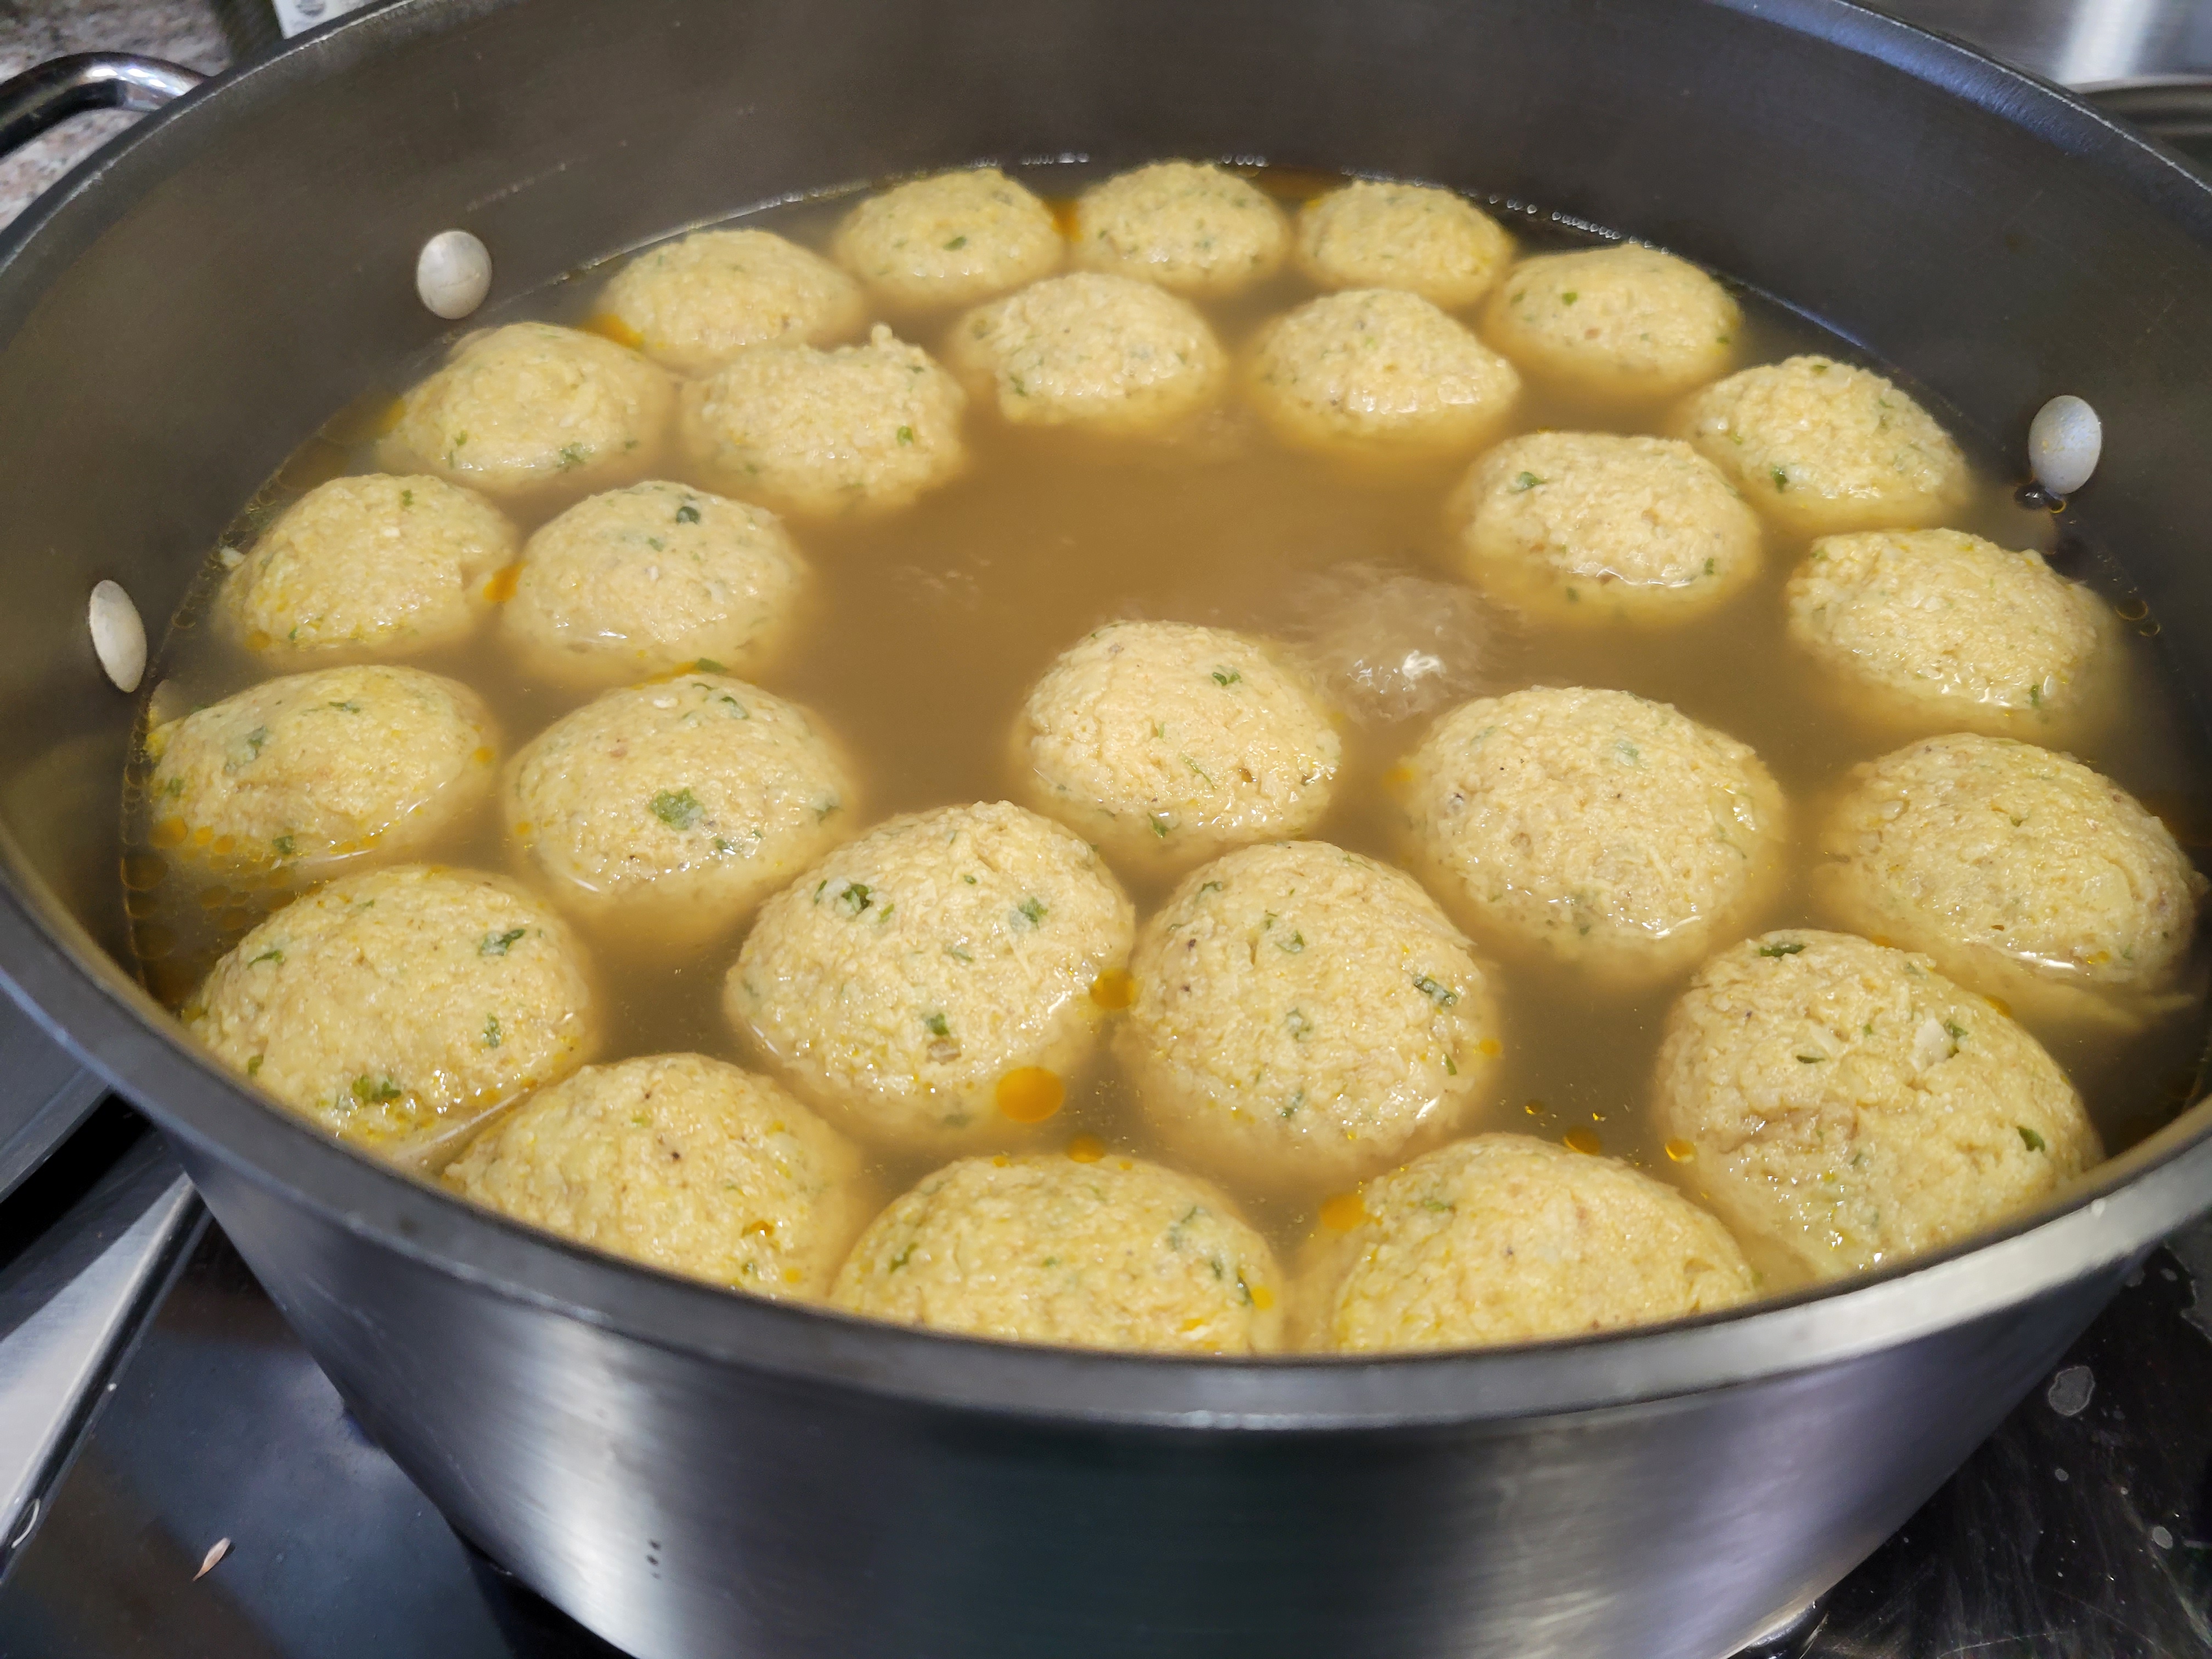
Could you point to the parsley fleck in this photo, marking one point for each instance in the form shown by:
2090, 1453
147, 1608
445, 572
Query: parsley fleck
1226, 677
956, 245
1159, 826
708, 665
491, 1031
1789, 948
935, 1025
285, 846
253, 1068
1781, 479
679, 809
906, 434
272, 954
573, 455
1527, 481
406, 498
1294, 943
1569, 297
856, 896
498, 945
1031, 910
375, 1092
2029, 1138
348, 707
687, 514
1435, 991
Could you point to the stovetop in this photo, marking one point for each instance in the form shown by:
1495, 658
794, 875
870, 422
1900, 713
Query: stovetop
2081, 1531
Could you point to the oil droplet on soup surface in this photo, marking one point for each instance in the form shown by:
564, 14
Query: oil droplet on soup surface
1341, 1214
1114, 989
1030, 1094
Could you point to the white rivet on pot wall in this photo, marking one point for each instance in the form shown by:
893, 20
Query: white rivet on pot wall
454, 273
118, 638
2064, 443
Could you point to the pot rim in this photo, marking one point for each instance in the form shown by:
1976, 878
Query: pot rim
66, 980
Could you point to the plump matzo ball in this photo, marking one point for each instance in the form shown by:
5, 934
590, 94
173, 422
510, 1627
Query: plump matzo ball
1113, 1253
323, 768
1936, 628
1603, 827
1593, 527
695, 304
367, 567
1164, 745
653, 578
954, 238
1626, 324
916, 982
1426, 241
676, 806
1188, 225
1819, 447
1107, 354
1848, 1105
1378, 372
398, 1007
1504, 1238
826, 435
682, 1162
2012, 867
530, 405
1304, 1017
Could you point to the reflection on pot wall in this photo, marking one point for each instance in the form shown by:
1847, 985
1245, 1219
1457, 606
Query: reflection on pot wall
2077, 42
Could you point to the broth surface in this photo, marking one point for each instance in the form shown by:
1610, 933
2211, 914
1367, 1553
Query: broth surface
931, 625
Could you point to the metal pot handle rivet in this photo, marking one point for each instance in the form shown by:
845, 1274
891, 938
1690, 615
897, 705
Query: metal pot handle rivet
453, 274
119, 637
2064, 442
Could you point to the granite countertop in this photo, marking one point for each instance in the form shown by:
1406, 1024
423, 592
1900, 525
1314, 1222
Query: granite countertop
31, 31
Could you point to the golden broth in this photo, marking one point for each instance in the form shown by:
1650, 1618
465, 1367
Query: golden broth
931, 625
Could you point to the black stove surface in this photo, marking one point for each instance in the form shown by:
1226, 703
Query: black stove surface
2082, 1530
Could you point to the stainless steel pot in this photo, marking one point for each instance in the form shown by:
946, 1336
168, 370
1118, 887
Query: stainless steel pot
691, 1473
